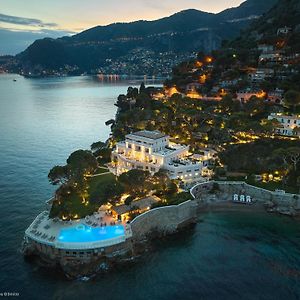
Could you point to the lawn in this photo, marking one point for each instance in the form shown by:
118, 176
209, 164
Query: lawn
178, 198
272, 186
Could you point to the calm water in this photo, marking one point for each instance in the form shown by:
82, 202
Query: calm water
83, 233
227, 256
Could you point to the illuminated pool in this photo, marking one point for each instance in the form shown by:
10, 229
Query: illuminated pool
83, 233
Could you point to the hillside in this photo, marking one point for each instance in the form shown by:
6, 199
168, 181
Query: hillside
285, 13
142, 47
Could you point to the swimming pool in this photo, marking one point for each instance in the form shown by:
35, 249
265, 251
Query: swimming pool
83, 233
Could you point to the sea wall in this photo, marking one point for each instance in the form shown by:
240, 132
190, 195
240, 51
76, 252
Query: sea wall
224, 190
164, 220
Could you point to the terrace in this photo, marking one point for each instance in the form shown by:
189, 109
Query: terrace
101, 229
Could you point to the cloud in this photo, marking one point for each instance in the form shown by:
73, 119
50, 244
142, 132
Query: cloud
24, 21
15, 41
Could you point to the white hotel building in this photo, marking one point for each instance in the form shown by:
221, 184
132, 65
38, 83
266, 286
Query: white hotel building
152, 151
288, 124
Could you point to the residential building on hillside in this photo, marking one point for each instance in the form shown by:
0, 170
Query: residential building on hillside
152, 151
289, 124
246, 95
260, 75
275, 96
284, 30
264, 48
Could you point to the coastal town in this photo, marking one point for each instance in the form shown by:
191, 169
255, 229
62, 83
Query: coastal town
223, 129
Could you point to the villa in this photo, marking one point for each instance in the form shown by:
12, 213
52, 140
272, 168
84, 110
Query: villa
152, 151
289, 124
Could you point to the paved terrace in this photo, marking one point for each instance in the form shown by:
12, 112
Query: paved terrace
46, 231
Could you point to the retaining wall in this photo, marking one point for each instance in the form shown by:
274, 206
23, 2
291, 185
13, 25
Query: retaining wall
166, 219
229, 188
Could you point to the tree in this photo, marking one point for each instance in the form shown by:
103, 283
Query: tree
292, 99
98, 146
113, 191
254, 106
132, 92
123, 103
81, 162
269, 126
58, 174
134, 181
281, 154
142, 88
294, 156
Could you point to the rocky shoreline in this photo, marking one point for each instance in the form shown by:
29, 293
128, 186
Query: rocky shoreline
167, 221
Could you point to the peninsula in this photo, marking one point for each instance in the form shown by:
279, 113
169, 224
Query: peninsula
224, 130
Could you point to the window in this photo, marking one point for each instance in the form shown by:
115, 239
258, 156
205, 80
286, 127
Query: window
147, 150
137, 148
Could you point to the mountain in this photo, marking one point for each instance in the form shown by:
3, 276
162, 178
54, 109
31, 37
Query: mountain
141, 47
285, 14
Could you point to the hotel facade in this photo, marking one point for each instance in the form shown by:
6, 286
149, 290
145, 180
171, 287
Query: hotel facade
152, 151
288, 124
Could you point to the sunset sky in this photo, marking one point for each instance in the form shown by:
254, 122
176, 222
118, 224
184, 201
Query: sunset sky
22, 21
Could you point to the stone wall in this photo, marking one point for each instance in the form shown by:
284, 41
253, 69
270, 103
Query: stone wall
228, 188
164, 220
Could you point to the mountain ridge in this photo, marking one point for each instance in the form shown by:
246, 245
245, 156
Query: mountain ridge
126, 47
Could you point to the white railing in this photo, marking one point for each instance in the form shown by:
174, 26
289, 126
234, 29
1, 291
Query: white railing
90, 245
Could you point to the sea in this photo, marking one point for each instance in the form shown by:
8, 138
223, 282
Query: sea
239, 254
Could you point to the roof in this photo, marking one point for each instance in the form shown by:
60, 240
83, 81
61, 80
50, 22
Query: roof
153, 135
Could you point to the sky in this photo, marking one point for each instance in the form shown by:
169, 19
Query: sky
23, 21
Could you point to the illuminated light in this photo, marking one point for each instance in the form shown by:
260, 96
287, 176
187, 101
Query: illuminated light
202, 78
208, 59
199, 64
173, 90
197, 174
194, 95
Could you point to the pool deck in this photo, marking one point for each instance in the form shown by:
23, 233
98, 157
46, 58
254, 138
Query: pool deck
46, 231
